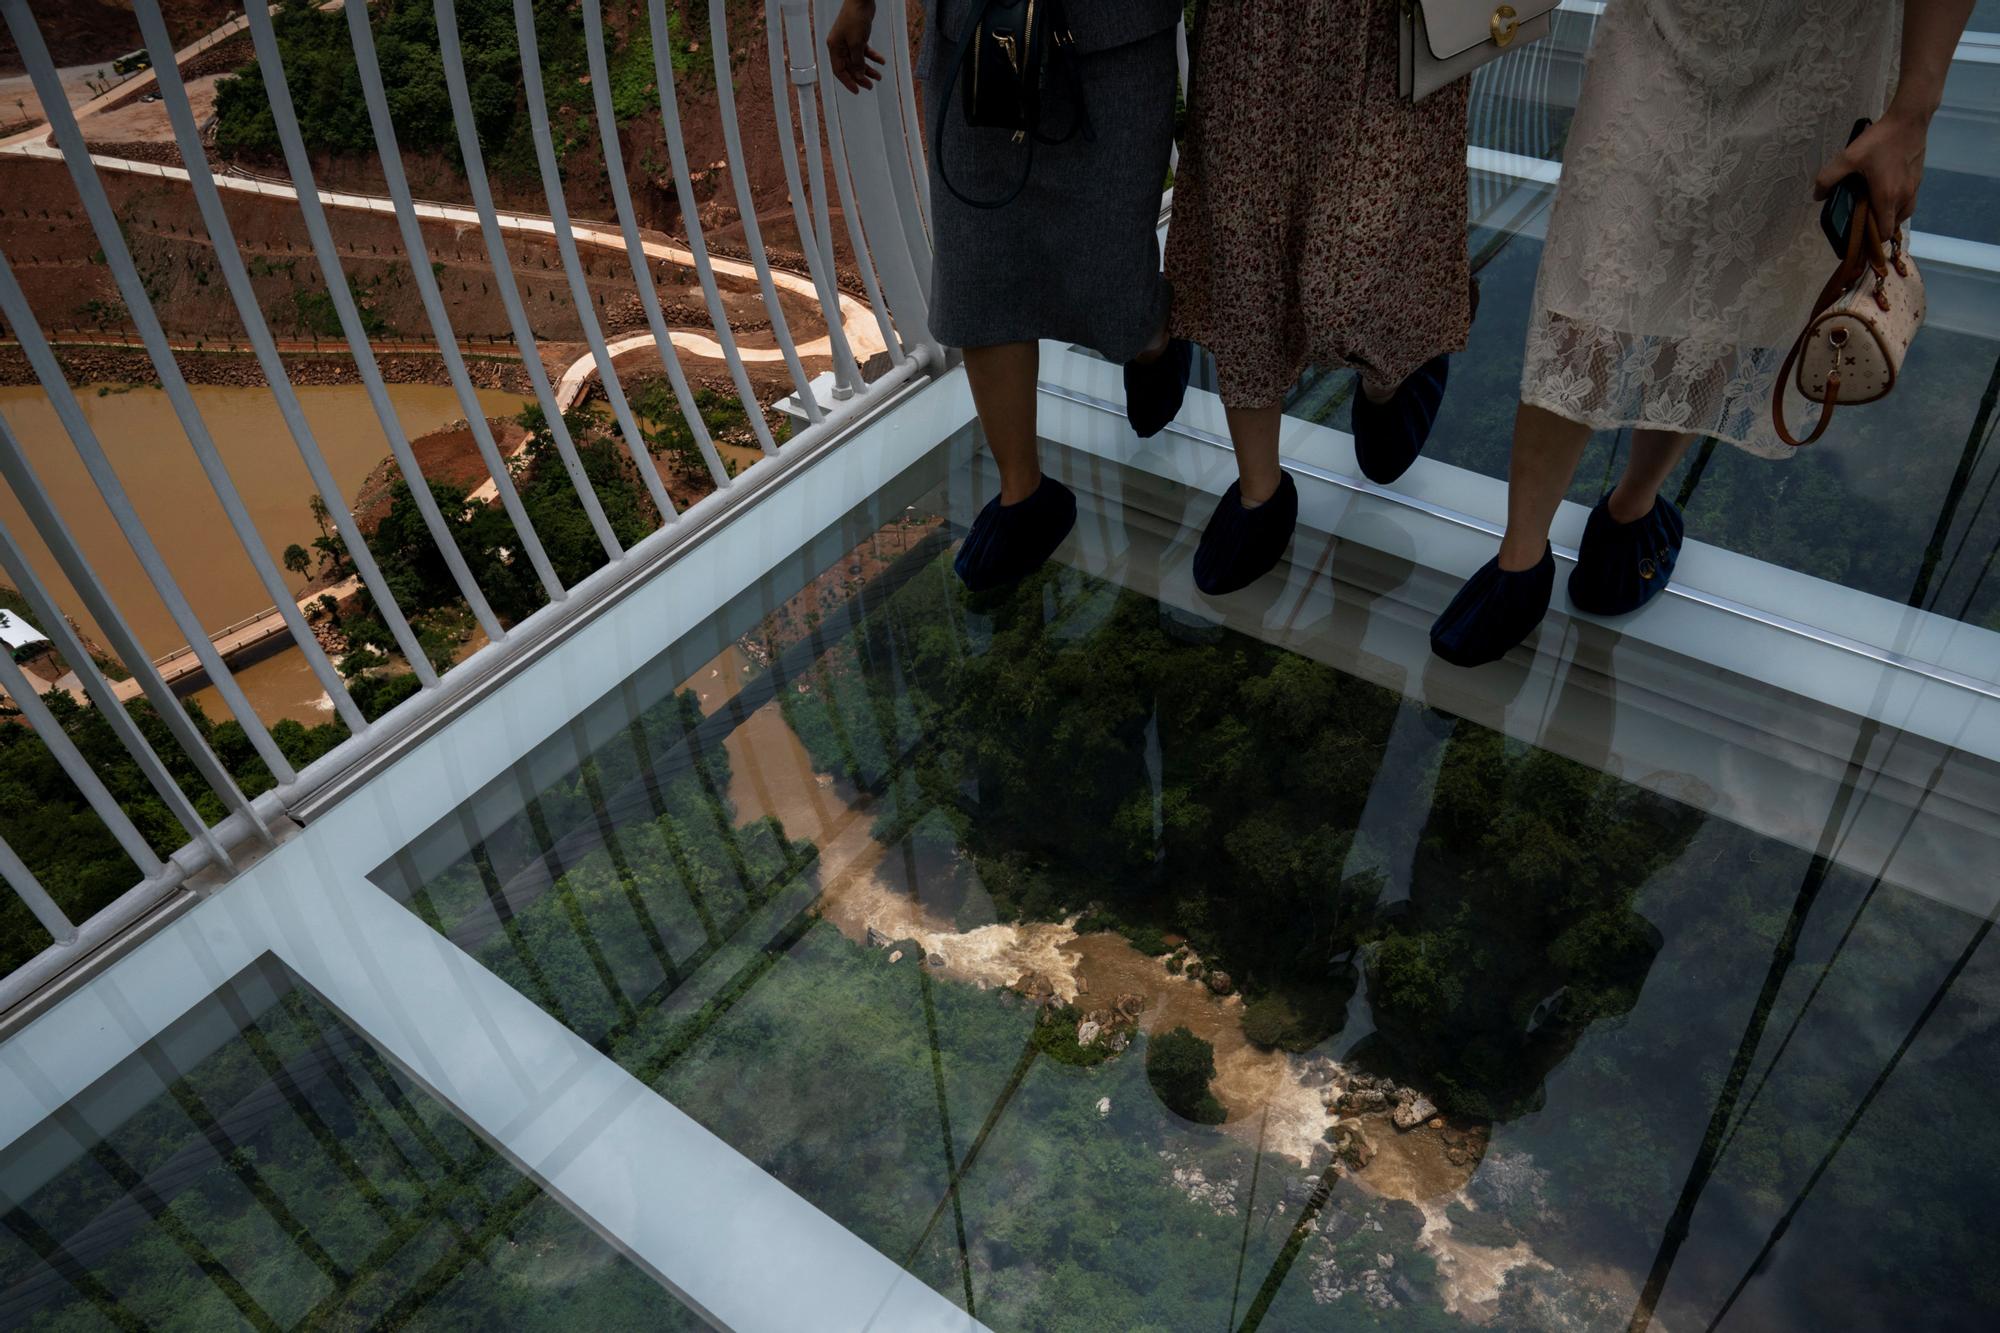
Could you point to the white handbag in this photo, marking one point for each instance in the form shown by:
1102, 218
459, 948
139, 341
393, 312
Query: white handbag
1852, 347
1445, 40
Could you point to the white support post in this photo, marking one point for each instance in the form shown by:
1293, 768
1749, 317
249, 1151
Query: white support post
579, 289
635, 248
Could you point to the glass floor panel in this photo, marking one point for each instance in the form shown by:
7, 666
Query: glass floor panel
1081, 953
260, 1165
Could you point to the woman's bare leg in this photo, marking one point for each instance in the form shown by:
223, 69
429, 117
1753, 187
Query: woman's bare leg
1003, 391
1377, 392
1547, 449
1254, 432
1248, 532
1655, 454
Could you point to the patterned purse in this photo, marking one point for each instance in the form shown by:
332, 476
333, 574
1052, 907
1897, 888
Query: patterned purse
1852, 347
1443, 41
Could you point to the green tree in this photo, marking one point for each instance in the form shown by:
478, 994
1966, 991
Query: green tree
1180, 1067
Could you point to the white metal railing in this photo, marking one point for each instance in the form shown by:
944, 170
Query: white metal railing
862, 155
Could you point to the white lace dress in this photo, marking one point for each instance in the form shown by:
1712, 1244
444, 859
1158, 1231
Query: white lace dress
1684, 250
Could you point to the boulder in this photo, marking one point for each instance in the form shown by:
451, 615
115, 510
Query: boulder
1318, 1072
1337, 1224
1192, 971
1437, 1122
935, 960
1410, 1114
1131, 1005
1361, 1100
1118, 1041
1086, 1032
1103, 1107
1219, 982
1082, 984
896, 956
877, 939
1035, 986
1330, 1095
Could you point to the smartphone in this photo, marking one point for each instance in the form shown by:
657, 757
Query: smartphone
1836, 216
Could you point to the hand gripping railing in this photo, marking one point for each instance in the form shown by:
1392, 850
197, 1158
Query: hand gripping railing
864, 154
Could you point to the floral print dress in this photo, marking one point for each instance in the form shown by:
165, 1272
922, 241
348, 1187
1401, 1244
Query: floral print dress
1684, 251
1319, 216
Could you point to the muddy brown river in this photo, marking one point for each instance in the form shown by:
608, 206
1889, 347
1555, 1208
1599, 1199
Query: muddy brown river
143, 439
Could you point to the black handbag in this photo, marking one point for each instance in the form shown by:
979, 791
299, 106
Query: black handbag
1003, 64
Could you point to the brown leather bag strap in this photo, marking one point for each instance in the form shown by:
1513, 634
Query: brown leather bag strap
1850, 271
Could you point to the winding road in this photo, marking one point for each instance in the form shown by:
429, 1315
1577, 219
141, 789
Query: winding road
864, 335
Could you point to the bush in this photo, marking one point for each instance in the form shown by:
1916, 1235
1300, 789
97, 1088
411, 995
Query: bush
1296, 1018
1270, 1020
1180, 1066
1055, 1037
1147, 938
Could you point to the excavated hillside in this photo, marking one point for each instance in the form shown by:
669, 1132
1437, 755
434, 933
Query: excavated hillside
47, 238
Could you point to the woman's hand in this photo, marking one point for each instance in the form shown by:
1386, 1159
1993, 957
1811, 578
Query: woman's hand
848, 50
1890, 157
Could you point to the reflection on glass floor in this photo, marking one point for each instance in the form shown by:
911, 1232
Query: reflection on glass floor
967, 918
260, 1165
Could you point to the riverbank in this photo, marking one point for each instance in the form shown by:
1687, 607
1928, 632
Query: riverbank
143, 440
114, 364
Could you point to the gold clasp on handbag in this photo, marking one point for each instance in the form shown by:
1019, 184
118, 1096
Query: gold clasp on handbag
1009, 49
1504, 25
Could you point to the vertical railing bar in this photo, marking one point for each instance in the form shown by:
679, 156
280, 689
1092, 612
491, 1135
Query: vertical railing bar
579, 289
363, 39
844, 181
909, 180
899, 140
14, 564
167, 83
903, 69
704, 268
43, 723
22, 880
1183, 63
495, 239
28, 489
896, 254
111, 238
635, 247
788, 34
271, 67
746, 207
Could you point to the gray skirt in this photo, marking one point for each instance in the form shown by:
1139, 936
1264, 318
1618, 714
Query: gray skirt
1075, 258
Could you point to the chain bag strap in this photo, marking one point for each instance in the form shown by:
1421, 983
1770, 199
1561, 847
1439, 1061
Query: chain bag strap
1003, 64
1852, 347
